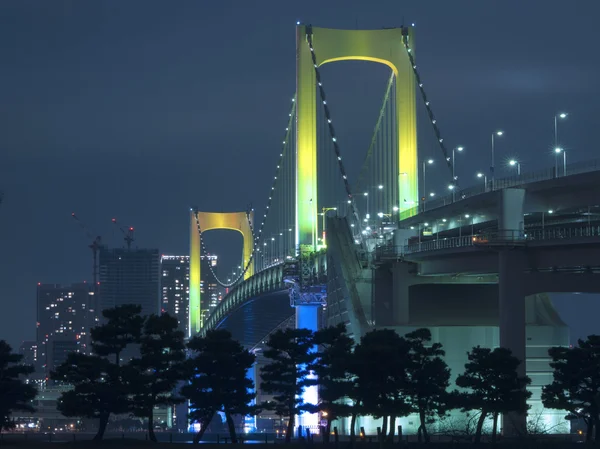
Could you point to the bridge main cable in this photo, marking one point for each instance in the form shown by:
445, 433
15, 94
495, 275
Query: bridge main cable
433, 120
257, 238
336, 147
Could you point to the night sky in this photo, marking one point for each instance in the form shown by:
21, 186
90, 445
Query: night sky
139, 109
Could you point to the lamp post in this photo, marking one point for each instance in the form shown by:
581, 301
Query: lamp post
381, 215
557, 151
454, 177
482, 175
562, 115
366, 194
497, 133
514, 162
425, 163
324, 213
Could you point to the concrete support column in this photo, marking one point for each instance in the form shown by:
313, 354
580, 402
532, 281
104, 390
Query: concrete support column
511, 263
510, 214
382, 297
401, 282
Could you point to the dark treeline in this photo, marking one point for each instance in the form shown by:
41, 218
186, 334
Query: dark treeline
385, 376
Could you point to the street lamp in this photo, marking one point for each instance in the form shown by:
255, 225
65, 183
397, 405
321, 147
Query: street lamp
557, 151
454, 177
482, 175
562, 115
324, 213
513, 162
425, 163
497, 133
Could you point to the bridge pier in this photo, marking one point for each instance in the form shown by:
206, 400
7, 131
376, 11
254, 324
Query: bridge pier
511, 293
511, 264
307, 317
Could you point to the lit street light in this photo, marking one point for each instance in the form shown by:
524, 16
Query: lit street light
562, 115
429, 162
482, 175
454, 177
513, 162
557, 151
324, 213
497, 133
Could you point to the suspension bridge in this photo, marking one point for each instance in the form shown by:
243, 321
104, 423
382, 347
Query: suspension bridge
369, 252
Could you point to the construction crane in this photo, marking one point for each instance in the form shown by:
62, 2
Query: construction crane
95, 247
127, 232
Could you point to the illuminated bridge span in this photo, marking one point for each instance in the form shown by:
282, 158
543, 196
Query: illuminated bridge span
373, 253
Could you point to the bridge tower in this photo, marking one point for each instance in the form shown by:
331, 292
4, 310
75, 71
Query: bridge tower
206, 221
385, 46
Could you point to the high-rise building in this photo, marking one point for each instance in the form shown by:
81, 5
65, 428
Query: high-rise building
29, 351
129, 277
175, 287
62, 323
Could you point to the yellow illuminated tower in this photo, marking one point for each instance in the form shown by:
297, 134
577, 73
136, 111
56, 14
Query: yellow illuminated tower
383, 46
207, 221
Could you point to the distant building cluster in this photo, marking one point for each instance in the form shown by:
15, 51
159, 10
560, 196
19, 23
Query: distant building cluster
175, 287
66, 313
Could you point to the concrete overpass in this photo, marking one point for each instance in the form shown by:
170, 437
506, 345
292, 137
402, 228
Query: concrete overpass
482, 281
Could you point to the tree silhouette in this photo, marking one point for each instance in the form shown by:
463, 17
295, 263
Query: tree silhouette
217, 380
495, 387
290, 352
15, 394
123, 327
99, 385
152, 377
576, 384
428, 379
380, 368
97, 391
333, 376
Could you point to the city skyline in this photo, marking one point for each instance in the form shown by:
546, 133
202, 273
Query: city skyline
490, 81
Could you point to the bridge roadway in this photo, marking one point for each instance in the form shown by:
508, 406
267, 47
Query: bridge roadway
256, 306
253, 308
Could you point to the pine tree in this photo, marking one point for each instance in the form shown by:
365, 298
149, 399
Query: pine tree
576, 384
286, 377
494, 386
15, 393
333, 376
152, 377
428, 379
218, 380
99, 384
